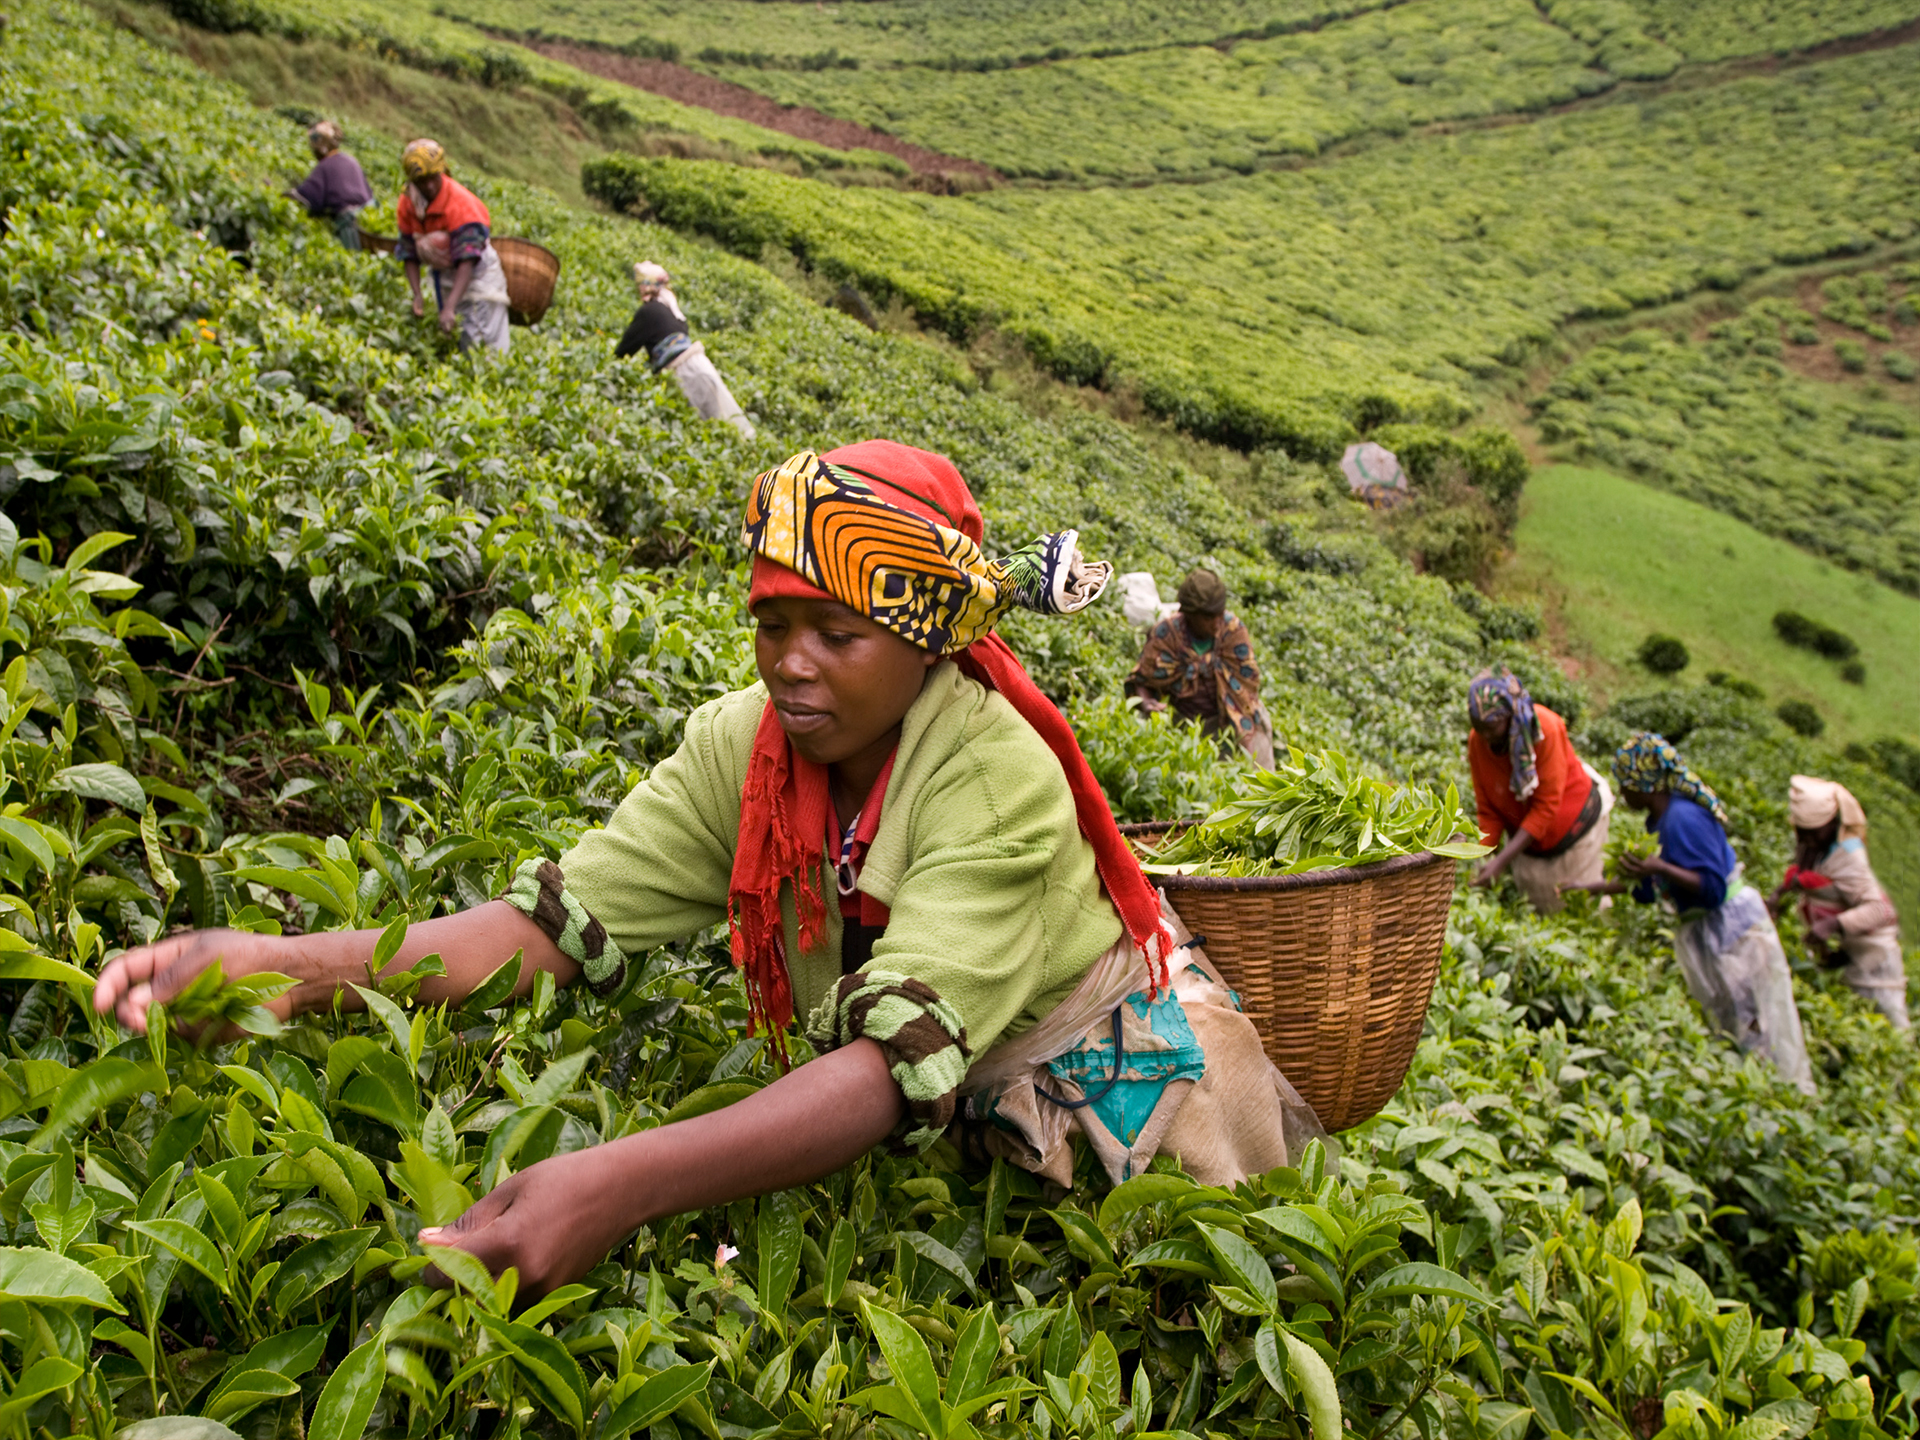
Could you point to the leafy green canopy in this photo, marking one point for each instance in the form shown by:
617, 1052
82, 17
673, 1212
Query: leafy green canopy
375, 635
1296, 307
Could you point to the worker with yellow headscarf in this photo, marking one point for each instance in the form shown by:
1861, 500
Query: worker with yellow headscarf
1841, 898
445, 224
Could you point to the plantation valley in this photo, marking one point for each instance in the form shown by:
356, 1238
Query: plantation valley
311, 621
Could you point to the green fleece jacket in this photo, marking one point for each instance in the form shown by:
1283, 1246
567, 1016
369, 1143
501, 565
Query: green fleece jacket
996, 908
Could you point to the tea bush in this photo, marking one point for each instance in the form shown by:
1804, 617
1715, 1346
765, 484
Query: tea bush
1664, 654
307, 623
1796, 629
1801, 717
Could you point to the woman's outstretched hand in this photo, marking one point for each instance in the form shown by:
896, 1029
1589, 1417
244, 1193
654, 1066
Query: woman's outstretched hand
552, 1222
160, 971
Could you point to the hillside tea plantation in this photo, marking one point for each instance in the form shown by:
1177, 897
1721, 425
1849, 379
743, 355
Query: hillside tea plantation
308, 621
1392, 291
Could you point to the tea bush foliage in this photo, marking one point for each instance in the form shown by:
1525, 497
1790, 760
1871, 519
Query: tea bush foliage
308, 622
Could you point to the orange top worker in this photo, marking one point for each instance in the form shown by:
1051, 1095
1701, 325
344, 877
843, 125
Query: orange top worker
1544, 808
444, 224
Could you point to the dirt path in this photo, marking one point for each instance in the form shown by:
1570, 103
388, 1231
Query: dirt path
690, 87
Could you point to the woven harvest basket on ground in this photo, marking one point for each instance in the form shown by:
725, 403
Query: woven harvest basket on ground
1335, 968
531, 271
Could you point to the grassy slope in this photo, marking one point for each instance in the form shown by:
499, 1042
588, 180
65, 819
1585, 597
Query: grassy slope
1618, 560
1191, 110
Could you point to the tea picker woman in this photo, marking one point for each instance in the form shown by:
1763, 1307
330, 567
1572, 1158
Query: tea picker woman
1539, 804
1728, 950
908, 847
446, 225
1201, 661
1841, 898
336, 189
659, 328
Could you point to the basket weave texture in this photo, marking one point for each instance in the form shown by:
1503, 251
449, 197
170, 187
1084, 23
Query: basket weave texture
1334, 967
531, 272
377, 244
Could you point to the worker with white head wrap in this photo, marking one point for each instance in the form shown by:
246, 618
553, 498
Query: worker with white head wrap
659, 330
1841, 898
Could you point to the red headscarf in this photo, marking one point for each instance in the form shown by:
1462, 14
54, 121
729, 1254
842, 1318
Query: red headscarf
785, 803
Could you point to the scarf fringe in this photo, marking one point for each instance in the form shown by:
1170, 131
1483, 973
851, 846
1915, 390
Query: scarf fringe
773, 849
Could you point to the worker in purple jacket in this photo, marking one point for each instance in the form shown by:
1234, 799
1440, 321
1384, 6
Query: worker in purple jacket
336, 188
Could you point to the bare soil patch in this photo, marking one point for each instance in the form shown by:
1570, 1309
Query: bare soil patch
690, 87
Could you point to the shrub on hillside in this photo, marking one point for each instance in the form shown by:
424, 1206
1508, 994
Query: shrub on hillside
1664, 654
1854, 672
224, 16
1738, 684
1893, 757
1809, 634
1899, 364
1677, 712
1498, 620
1799, 716
1450, 530
1851, 354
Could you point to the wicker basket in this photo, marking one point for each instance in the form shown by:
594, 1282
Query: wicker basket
531, 271
377, 244
1335, 968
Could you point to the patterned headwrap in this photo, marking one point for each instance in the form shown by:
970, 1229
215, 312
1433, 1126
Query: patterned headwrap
819, 527
929, 583
1500, 699
422, 158
1648, 764
324, 134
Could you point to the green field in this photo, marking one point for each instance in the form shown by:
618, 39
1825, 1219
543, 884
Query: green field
1136, 91
963, 35
1190, 111
1289, 307
1618, 560
950, 34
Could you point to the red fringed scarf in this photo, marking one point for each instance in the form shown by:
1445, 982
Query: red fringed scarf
783, 817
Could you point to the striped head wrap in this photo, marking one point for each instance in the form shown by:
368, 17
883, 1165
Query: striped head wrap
894, 534
1501, 700
1648, 764
931, 584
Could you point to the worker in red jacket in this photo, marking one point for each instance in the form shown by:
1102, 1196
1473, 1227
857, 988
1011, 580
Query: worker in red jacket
445, 225
1539, 804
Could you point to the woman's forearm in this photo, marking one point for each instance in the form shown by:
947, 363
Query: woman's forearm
472, 945
463, 274
809, 1123
555, 1221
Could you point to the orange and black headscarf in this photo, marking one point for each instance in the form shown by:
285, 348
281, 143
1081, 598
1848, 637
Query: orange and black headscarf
894, 533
